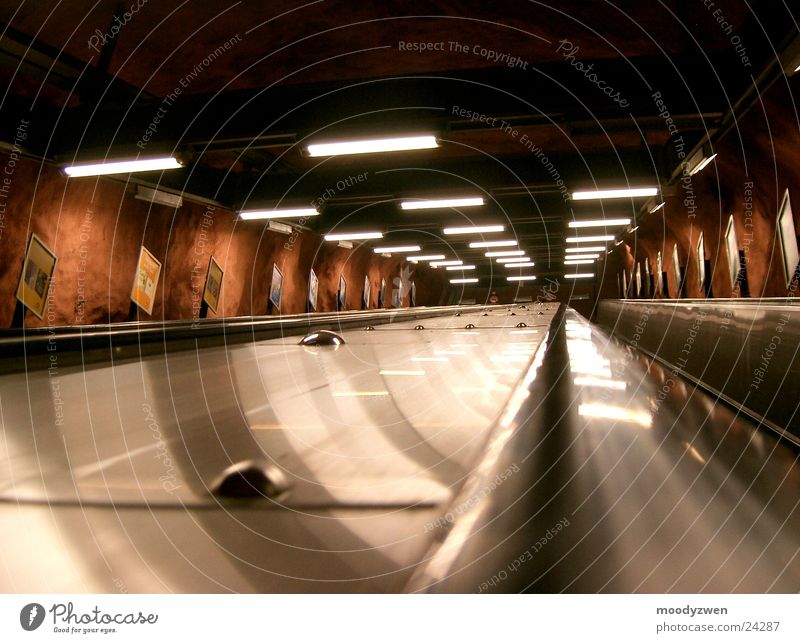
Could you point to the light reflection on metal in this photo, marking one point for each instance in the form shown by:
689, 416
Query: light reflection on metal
429, 359
693, 452
617, 413
360, 393
616, 385
401, 372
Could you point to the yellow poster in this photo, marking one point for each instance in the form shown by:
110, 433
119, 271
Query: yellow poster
211, 294
37, 273
144, 286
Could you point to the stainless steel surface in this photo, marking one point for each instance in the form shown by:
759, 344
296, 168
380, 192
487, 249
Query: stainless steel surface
106, 469
441, 458
617, 481
746, 351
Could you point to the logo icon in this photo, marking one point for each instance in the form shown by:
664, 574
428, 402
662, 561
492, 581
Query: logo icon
31, 616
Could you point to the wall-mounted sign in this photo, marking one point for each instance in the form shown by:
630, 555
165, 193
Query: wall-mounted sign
213, 285
732, 247
313, 290
624, 284
788, 239
367, 293
341, 294
660, 268
148, 270
638, 276
412, 297
676, 268
382, 294
276, 287
701, 264
37, 275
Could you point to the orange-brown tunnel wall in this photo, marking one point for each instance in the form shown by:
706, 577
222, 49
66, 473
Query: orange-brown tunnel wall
96, 227
755, 164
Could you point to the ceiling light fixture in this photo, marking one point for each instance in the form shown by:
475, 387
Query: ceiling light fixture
577, 262
382, 249
475, 229
658, 207
373, 145
466, 280
504, 253
492, 244
441, 203
580, 275
613, 194
597, 237
524, 264
122, 167
151, 195
469, 267
453, 262
416, 258
511, 259
522, 278
593, 255
598, 223
353, 236
698, 164
587, 249
287, 213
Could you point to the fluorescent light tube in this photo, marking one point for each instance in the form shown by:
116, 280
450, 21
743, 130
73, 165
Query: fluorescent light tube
453, 262
372, 145
353, 236
613, 194
470, 267
593, 255
597, 237
511, 259
382, 249
441, 203
521, 278
475, 229
287, 213
524, 264
492, 244
505, 253
658, 207
587, 249
425, 257
701, 165
577, 262
598, 223
122, 167
466, 280
580, 275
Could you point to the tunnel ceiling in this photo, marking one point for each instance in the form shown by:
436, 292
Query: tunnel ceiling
563, 93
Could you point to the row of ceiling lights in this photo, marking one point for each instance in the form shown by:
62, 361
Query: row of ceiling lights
577, 255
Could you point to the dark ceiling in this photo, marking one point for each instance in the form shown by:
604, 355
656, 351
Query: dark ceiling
259, 80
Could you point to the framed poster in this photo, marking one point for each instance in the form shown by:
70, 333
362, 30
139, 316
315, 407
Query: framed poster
788, 238
144, 285
412, 297
276, 287
638, 274
367, 293
382, 294
341, 294
732, 247
624, 284
313, 290
676, 267
37, 275
701, 264
648, 287
213, 285
660, 268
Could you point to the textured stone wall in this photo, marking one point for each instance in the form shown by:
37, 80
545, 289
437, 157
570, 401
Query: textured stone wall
96, 227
